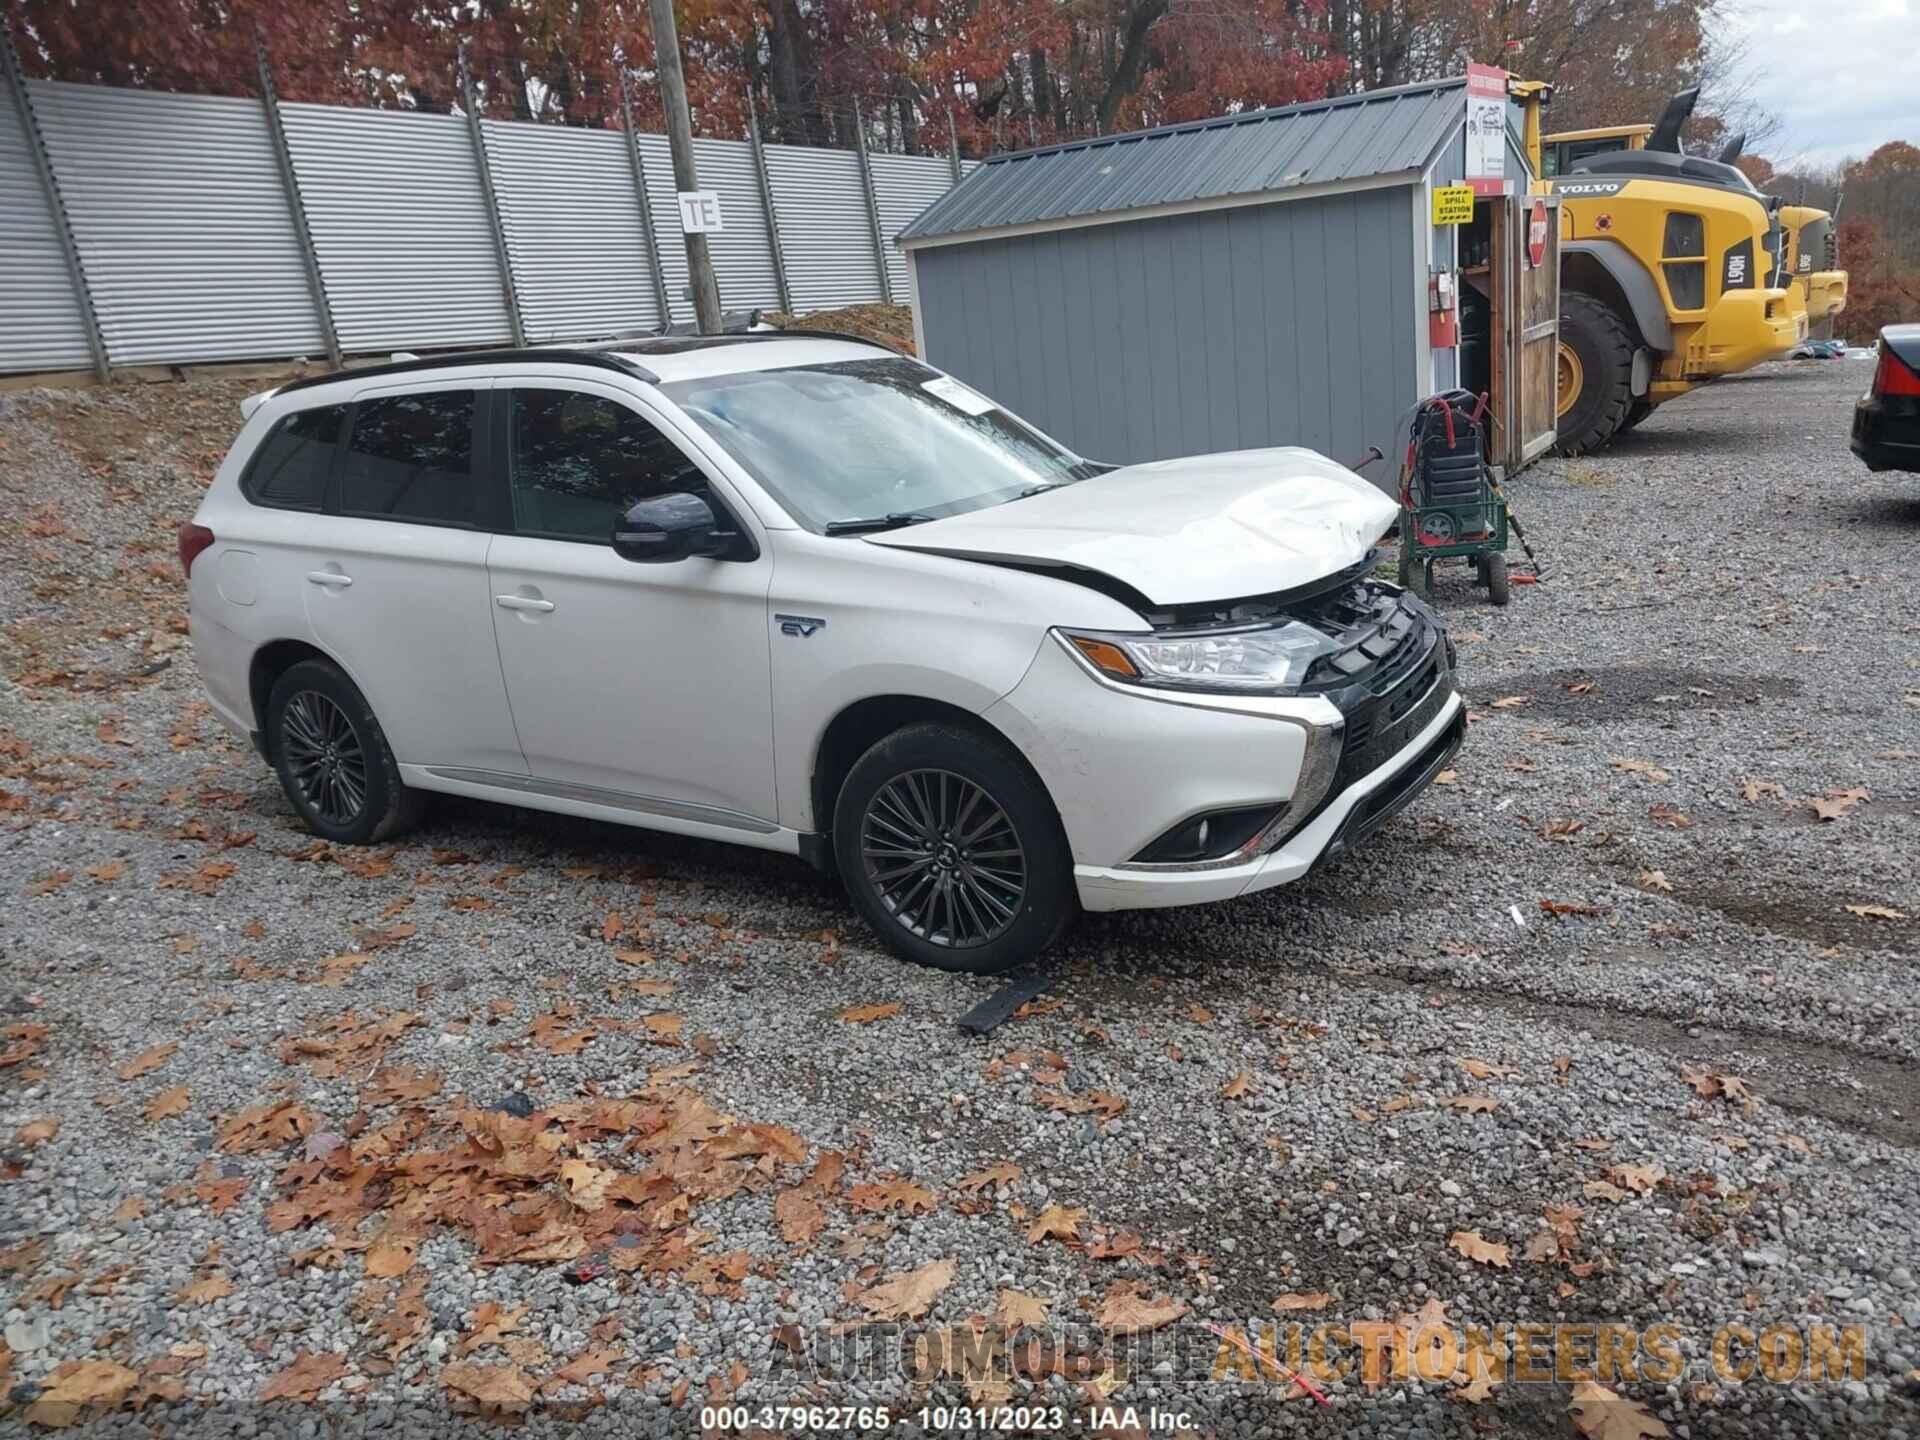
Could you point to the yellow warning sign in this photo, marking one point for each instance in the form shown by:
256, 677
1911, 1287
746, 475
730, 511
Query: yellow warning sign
1452, 204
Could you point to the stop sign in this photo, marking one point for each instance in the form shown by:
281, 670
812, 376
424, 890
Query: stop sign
1537, 234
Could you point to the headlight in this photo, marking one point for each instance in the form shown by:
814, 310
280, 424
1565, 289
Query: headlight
1261, 659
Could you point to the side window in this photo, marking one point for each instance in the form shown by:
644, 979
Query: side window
411, 458
580, 461
289, 470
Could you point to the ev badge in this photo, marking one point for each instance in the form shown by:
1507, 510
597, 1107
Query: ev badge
1537, 234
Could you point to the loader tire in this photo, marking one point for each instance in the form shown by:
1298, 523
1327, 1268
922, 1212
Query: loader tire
1596, 373
1636, 412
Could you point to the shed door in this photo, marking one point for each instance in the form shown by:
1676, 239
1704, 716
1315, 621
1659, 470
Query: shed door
1532, 340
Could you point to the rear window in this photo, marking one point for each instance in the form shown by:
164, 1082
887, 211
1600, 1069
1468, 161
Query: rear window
411, 458
289, 470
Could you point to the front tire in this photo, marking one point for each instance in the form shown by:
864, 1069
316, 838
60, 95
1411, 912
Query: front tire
950, 848
333, 759
1596, 373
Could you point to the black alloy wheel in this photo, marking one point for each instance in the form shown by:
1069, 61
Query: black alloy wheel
951, 849
325, 758
944, 858
333, 758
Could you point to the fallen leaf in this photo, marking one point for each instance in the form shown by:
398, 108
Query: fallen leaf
496, 1390
894, 1193
1640, 1179
1646, 769
1005, 1173
1511, 702
1837, 804
1482, 1251
1569, 907
1017, 1310
79, 1385
1057, 1222
205, 1290
1481, 1070
1473, 1104
393, 1254
1314, 1300
1601, 1414
151, 1058
1877, 912
311, 1372
906, 1296
167, 1103
1655, 880
582, 1368
1130, 1309
491, 1322
1754, 791
38, 1132
1672, 818
1238, 1087
867, 1014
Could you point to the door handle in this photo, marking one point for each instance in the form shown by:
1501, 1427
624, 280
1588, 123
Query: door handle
522, 602
332, 579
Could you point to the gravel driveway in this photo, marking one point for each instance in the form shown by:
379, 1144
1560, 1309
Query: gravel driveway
540, 1118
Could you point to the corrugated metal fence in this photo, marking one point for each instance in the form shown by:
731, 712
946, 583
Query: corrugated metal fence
140, 227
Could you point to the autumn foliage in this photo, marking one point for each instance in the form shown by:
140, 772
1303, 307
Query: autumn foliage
989, 74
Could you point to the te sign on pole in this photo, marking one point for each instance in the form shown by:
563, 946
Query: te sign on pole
1486, 129
700, 212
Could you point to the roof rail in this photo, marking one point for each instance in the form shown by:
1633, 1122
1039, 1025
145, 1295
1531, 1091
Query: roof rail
680, 344
599, 359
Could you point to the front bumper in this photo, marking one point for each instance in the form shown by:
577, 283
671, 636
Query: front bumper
1125, 765
1348, 817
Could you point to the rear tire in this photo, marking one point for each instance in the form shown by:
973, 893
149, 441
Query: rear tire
1600, 363
951, 849
333, 759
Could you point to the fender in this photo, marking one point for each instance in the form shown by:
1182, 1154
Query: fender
1643, 297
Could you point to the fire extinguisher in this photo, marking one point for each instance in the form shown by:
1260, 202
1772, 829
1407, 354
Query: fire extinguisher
1443, 309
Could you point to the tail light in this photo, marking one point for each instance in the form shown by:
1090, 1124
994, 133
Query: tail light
1893, 376
193, 539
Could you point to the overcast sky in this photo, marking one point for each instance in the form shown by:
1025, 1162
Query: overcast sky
1842, 75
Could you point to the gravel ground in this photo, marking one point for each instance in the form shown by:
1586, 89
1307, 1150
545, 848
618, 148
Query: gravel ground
1600, 999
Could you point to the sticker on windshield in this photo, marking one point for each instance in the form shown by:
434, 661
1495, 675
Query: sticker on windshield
968, 402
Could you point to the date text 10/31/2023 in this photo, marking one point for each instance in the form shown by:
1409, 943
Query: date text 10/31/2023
943, 1419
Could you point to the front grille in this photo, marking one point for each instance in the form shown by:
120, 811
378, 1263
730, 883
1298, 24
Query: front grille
1380, 725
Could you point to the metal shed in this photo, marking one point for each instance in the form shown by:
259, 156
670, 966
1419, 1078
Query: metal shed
1269, 278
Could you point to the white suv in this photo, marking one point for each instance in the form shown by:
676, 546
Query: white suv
800, 592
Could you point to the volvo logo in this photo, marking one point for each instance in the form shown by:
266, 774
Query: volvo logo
800, 625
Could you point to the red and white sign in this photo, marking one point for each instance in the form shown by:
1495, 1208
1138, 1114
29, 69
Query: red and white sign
1487, 129
1537, 234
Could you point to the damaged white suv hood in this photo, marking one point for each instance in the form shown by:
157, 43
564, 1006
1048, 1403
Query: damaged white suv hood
1210, 527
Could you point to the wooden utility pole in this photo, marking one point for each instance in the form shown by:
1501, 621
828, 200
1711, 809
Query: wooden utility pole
673, 94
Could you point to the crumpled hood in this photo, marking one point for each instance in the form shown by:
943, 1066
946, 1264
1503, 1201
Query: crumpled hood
1181, 532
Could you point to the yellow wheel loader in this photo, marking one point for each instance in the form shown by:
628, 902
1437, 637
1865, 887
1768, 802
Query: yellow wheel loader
1814, 277
1671, 272
1817, 284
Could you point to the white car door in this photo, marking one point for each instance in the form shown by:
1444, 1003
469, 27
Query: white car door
642, 686
397, 580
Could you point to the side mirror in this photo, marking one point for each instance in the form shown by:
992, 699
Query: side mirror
673, 527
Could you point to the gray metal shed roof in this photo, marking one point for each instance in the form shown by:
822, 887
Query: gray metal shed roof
1349, 137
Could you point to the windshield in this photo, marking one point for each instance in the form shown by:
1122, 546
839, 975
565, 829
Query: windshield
871, 439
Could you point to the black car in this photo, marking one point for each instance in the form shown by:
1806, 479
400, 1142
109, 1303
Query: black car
1886, 422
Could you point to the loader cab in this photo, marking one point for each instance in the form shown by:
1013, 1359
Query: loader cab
1560, 153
